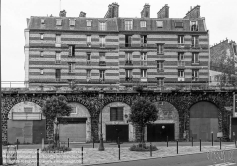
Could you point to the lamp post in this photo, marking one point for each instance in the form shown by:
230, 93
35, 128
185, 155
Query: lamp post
101, 146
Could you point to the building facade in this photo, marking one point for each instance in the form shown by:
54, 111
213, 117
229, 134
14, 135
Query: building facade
115, 52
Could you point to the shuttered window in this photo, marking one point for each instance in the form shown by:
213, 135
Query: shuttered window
116, 113
178, 24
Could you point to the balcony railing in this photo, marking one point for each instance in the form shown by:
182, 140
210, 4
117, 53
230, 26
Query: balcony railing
127, 44
102, 45
195, 62
143, 44
143, 63
58, 62
128, 78
102, 63
181, 63
128, 62
88, 63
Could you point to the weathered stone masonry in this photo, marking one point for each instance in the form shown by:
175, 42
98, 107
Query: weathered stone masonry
182, 101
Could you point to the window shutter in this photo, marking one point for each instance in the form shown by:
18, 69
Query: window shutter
130, 40
161, 65
120, 113
58, 73
196, 57
130, 73
113, 114
70, 51
196, 40
193, 57
192, 40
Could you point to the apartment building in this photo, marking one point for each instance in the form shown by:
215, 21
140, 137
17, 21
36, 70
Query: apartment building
116, 52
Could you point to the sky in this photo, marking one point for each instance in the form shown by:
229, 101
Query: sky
220, 16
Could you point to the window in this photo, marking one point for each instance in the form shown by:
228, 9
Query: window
128, 25
88, 56
143, 56
195, 41
88, 23
72, 22
58, 22
41, 71
159, 24
143, 40
71, 67
128, 40
74, 110
102, 59
143, 24
88, 73
160, 82
41, 54
180, 56
116, 113
58, 57
128, 58
180, 73
102, 26
28, 109
102, 41
193, 26
178, 24
143, 73
71, 51
42, 21
195, 75
41, 36
160, 65
195, 58
102, 75
181, 39
160, 48
58, 74
128, 75
88, 40
58, 39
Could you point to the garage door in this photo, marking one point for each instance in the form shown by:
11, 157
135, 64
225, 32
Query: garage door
75, 132
115, 131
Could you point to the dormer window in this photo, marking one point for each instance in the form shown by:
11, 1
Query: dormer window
59, 22
193, 26
42, 21
72, 22
102, 26
128, 25
178, 24
143, 24
159, 24
88, 23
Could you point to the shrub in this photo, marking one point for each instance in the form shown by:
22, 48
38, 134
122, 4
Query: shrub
142, 147
54, 148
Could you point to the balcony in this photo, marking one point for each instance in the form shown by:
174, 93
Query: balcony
128, 62
102, 63
181, 63
143, 79
194, 28
88, 63
57, 44
102, 45
58, 62
143, 44
102, 80
143, 63
127, 44
181, 79
195, 63
88, 79
195, 46
58, 79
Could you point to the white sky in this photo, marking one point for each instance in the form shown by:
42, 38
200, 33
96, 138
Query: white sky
220, 15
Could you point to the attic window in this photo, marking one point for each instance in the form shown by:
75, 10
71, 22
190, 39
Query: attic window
159, 24
58, 22
42, 21
178, 24
88, 23
143, 23
72, 22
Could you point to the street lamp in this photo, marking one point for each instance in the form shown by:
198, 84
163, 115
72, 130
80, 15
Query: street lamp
101, 146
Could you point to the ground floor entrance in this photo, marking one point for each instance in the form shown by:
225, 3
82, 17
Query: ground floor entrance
159, 132
234, 129
115, 131
72, 128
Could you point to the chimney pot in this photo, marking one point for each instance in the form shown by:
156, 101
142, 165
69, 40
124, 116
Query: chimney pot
82, 14
164, 12
62, 13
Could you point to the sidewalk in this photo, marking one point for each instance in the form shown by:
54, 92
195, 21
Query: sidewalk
27, 157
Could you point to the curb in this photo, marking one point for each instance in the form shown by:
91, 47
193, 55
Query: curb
121, 161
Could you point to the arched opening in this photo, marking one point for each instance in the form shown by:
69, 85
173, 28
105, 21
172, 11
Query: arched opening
77, 126
26, 123
203, 121
167, 124
115, 123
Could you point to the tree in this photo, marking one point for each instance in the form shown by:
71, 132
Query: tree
143, 112
55, 107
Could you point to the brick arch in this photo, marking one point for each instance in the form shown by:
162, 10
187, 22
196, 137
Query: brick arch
8, 103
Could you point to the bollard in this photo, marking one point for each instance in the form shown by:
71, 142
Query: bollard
150, 150
17, 144
220, 143
212, 138
67, 142
167, 141
177, 146
192, 141
37, 157
119, 150
93, 142
42, 144
235, 143
200, 145
82, 154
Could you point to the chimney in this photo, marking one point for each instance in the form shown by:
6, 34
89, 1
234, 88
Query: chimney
164, 12
115, 10
109, 12
145, 13
82, 14
193, 13
62, 13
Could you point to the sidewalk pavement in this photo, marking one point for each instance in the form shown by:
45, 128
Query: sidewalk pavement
28, 157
